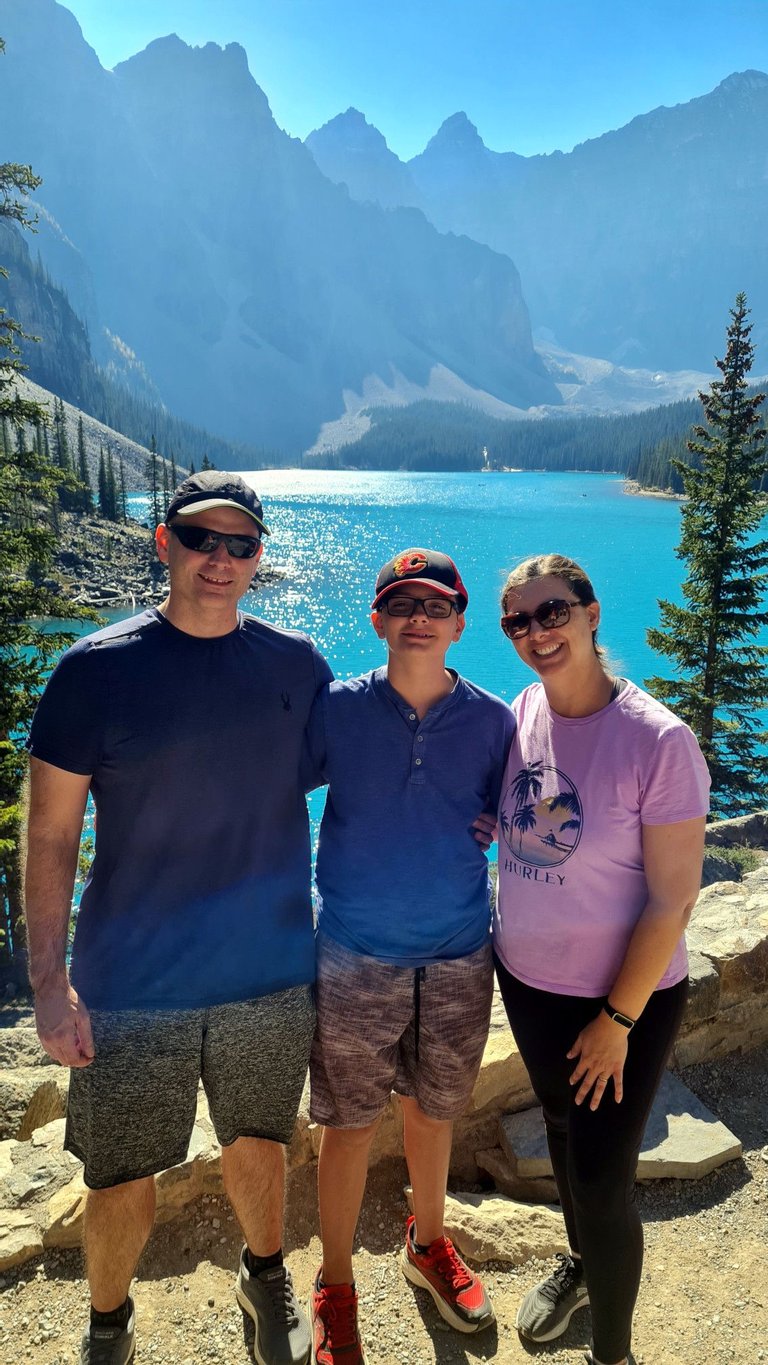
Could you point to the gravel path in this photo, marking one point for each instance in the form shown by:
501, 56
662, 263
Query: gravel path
703, 1301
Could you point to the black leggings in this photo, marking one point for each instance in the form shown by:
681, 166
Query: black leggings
594, 1154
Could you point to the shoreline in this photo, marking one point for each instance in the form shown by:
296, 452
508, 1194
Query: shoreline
103, 564
633, 489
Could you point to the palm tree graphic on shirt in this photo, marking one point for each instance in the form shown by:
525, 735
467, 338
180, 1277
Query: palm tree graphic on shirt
541, 815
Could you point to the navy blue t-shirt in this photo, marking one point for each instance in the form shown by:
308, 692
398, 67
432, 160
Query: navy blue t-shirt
400, 874
199, 891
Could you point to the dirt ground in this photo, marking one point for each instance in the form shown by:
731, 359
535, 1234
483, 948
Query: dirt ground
703, 1300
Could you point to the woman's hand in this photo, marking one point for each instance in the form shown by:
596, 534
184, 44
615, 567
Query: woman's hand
484, 828
601, 1048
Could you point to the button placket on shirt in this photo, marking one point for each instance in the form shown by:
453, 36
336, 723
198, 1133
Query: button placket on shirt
417, 749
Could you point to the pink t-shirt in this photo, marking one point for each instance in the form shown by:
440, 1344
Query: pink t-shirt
576, 793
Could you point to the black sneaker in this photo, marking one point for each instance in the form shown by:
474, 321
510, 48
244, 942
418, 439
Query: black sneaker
109, 1345
545, 1313
282, 1330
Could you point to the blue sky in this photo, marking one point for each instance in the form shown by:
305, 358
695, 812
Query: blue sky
533, 75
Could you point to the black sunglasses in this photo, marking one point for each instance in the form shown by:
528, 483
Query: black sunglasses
555, 612
204, 541
436, 608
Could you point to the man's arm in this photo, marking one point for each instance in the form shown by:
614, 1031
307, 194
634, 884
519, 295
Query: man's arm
56, 810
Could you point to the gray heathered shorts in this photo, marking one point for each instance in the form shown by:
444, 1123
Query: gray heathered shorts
365, 1040
130, 1113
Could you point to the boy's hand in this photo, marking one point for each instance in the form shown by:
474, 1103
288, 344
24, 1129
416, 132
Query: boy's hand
485, 829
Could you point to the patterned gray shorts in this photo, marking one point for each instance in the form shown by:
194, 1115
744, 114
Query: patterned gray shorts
130, 1113
367, 1043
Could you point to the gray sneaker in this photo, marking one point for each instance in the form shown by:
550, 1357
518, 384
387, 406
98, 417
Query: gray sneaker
109, 1345
545, 1313
282, 1331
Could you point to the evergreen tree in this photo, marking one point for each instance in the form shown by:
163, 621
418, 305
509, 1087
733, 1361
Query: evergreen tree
153, 477
722, 678
122, 498
82, 468
101, 484
60, 437
29, 484
112, 507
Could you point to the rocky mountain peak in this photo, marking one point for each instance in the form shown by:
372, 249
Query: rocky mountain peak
202, 73
457, 133
350, 129
48, 33
743, 81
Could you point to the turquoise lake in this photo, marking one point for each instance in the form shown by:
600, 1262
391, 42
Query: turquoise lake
331, 532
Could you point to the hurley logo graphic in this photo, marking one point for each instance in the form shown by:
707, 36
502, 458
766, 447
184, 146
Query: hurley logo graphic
541, 816
285, 699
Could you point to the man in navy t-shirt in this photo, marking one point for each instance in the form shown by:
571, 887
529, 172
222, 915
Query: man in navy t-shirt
193, 955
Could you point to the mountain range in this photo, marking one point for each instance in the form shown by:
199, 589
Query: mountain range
631, 247
272, 291
253, 289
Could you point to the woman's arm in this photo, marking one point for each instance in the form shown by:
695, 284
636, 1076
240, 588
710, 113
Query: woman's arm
672, 858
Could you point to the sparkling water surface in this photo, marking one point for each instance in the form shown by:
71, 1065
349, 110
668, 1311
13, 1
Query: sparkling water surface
332, 531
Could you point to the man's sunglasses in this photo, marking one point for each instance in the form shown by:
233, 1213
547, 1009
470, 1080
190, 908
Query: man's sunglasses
555, 612
437, 608
202, 540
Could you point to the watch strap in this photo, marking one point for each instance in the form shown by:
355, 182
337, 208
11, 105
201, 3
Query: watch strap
618, 1017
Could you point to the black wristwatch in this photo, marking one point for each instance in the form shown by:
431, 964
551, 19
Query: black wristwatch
618, 1017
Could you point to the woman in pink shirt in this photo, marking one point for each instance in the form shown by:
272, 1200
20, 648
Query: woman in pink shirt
601, 835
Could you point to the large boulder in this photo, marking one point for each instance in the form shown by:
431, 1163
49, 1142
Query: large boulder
682, 1139
728, 950
492, 1228
744, 831
30, 1097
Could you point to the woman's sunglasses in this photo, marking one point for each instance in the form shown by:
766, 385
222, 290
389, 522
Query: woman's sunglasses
555, 612
200, 539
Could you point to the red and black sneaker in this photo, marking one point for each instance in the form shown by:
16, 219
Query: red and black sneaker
458, 1294
333, 1316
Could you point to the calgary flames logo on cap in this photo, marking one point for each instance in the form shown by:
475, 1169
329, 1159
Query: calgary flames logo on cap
413, 561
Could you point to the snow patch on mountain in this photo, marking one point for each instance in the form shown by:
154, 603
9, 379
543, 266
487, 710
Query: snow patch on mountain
589, 387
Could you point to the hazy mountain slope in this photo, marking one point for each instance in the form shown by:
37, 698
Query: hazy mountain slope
633, 245
58, 357
253, 289
97, 437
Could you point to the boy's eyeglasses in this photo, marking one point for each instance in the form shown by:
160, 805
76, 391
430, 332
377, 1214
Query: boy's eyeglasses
555, 612
204, 541
437, 608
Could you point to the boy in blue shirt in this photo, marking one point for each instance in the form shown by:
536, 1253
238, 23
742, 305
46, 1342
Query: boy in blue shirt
412, 753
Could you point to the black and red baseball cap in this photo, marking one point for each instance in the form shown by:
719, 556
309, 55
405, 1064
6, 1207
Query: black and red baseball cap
429, 567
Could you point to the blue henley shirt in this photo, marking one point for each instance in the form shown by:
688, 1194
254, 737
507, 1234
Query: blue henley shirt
400, 875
